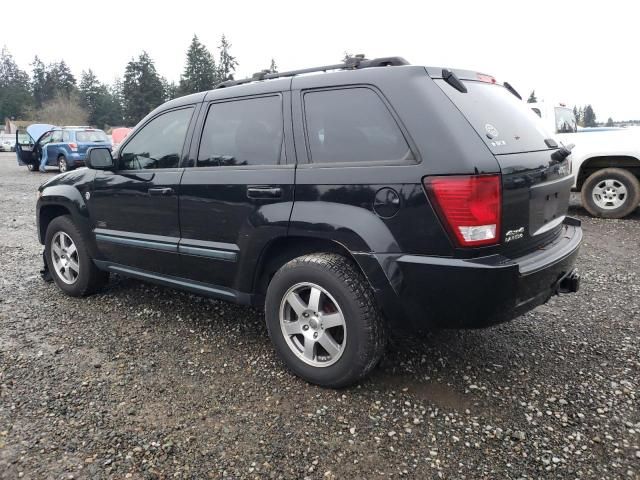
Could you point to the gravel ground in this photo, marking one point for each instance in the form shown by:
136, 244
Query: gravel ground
145, 382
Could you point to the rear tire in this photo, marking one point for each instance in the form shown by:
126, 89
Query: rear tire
63, 165
344, 318
611, 193
68, 259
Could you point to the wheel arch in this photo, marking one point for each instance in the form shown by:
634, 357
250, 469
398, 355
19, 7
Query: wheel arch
284, 249
59, 200
593, 164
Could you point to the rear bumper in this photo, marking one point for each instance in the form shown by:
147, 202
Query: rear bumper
425, 292
76, 159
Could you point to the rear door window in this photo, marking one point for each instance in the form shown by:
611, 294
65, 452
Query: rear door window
243, 132
505, 123
352, 125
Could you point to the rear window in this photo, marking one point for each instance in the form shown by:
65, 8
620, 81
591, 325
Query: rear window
503, 121
91, 136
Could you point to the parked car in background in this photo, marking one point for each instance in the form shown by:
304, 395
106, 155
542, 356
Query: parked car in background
66, 146
605, 161
7, 145
424, 198
118, 135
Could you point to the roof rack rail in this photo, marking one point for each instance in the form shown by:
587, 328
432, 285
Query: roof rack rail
350, 63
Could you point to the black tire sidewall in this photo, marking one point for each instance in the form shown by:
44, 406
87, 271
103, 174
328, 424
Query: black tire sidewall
81, 285
624, 177
341, 372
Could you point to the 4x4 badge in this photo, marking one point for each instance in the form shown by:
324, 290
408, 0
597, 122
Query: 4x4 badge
514, 234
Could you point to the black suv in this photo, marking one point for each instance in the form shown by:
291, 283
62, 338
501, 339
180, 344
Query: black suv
370, 195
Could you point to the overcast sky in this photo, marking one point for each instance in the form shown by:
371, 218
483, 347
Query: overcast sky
569, 51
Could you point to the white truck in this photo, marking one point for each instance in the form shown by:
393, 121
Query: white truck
605, 162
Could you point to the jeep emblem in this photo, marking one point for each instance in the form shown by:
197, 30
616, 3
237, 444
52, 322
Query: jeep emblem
492, 132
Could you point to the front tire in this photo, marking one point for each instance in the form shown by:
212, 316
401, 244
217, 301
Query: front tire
68, 259
32, 167
323, 320
611, 193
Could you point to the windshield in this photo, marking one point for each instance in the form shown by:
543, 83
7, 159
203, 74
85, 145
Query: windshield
565, 120
91, 136
503, 121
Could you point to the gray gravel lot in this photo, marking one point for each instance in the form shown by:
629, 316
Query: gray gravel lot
145, 382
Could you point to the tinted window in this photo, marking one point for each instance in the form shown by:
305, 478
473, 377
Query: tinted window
505, 123
57, 136
243, 132
352, 125
66, 136
159, 143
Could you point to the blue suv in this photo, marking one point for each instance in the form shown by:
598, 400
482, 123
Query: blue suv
66, 146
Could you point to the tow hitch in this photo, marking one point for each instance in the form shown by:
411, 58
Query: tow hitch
570, 283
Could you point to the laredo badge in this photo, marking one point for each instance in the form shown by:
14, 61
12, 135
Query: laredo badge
514, 234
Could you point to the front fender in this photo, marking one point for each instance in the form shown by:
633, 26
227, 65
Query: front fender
58, 200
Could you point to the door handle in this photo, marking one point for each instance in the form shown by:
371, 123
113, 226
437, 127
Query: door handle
264, 192
163, 191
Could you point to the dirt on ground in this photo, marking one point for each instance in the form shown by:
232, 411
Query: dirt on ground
144, 382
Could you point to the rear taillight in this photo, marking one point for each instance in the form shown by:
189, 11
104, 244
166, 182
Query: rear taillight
73, 147
469, 206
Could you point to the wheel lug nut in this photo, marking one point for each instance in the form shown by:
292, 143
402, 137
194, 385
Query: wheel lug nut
315, 335
305, 314
305, 327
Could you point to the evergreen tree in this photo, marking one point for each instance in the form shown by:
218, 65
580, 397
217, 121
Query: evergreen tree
142, 89
38, 81
170, 89
200, 71
610, 122
532, 97
273, 68
102, 106
579, 114
15, 95
589, 116
59, 81
227, 63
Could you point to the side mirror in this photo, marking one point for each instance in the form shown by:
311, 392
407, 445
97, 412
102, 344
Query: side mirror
99, 158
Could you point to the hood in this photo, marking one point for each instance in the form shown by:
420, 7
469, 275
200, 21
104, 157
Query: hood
36, 130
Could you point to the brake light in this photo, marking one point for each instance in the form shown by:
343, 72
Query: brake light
485, 78
469, 206
73, 147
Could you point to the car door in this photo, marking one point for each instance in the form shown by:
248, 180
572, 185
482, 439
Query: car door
27, 143
239, 194
134, 208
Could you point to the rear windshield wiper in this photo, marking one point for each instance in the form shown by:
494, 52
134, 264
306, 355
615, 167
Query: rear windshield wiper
453, 80
508, 86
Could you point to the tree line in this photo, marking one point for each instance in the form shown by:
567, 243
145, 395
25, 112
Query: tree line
585, 116
52, 94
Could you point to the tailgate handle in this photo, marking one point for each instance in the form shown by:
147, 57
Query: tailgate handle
163, 192
264, 192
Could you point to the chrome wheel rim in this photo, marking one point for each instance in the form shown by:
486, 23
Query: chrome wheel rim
313, 324
609, 194
64, 255
62, 164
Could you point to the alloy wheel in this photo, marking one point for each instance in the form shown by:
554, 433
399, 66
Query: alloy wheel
609, 194
64, 255
313, 324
